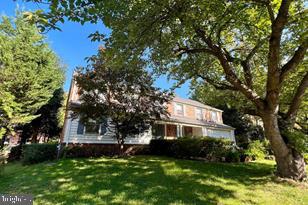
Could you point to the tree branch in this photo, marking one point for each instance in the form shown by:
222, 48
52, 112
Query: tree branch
294, 61
296, 101
217, 85
275, 38
273, 60
270, 11
228, 70
180, 51
247, 73
246, 64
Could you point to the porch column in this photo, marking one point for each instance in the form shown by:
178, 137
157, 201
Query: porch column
178, 131
181, 130
165, 133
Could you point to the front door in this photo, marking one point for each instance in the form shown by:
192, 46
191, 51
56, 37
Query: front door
171, 130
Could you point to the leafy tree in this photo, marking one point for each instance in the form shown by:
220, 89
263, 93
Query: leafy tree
125, 95
29, 73
48, 125
252, 47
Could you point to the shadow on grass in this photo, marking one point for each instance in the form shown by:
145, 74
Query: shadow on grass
137, 180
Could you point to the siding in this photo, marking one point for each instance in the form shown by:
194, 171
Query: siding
71, 135
190, 111
170, 108
108, 138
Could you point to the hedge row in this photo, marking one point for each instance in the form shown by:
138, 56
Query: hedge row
36, 153
77, 151
207, 148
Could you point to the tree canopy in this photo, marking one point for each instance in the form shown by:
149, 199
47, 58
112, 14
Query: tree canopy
50, 121
122, 98
252, 47
30, 72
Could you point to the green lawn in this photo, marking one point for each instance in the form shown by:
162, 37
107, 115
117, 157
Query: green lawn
150, 180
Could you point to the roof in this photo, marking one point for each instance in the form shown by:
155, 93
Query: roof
185, 120
194, 103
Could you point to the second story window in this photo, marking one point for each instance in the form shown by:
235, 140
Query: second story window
179, 109
214, 116
199, 114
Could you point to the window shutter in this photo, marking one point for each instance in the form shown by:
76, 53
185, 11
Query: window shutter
103, 127
80, 128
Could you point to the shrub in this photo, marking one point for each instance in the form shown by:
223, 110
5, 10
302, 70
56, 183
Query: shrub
256, 150
211, 149
77, 151
161, 147
36, 153
186, 147
14, 154
214, 149
233, 156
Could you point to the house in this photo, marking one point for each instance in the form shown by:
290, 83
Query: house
187, 118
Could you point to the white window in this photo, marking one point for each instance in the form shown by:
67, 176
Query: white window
179, 109
199, 114
214, 116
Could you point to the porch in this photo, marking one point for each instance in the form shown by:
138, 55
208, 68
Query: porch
173, 131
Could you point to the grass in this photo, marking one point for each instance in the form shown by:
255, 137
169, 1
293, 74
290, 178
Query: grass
150, 180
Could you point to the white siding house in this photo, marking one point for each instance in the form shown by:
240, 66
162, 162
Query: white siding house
187, 118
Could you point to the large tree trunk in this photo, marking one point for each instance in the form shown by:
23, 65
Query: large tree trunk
290, 163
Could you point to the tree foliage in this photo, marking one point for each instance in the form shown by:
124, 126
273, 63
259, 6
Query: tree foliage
50, 121
30, 72
250, 47
125, 96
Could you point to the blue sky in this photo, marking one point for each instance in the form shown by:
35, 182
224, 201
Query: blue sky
72, 45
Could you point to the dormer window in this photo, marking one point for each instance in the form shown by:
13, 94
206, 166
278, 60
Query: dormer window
179, 109
199, 115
